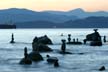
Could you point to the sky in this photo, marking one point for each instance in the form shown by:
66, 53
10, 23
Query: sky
60, 5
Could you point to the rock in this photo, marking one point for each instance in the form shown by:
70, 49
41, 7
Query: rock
65, 52
75, 43
84, 41
63, 46
69, 38
42, 40
39, 44
56, 64
35, 56
51, 59
96, 43
80, 53
102, 68
95, 38
104, 39
26, 59
41, 48
12, 39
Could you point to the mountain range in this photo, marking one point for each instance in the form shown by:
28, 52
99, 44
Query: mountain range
80, 13
24, 18
89, 22
23, 15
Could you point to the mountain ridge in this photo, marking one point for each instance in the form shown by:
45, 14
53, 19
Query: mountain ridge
22, 15
90, 22
30, 19
80, 13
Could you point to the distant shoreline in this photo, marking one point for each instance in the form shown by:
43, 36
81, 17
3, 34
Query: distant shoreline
64, 28
5, 26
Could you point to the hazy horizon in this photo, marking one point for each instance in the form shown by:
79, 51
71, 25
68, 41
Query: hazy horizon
53, 10
56, 5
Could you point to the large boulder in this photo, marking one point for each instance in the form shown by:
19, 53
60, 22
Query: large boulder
35, 56
41, 47
42, 40
96, 43
95, 38
25, 61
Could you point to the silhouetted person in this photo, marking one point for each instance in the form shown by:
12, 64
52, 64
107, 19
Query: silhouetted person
74, 40
102, 68
104, 39
12, 39
26, 59
56, 64
69, 38
63, 47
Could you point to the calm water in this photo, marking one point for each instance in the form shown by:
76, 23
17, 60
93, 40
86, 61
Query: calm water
92, 59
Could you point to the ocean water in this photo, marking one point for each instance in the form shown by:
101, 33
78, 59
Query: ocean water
93, 58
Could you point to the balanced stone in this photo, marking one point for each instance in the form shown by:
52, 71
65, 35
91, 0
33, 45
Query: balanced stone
26, 59
51, 59
12, 39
